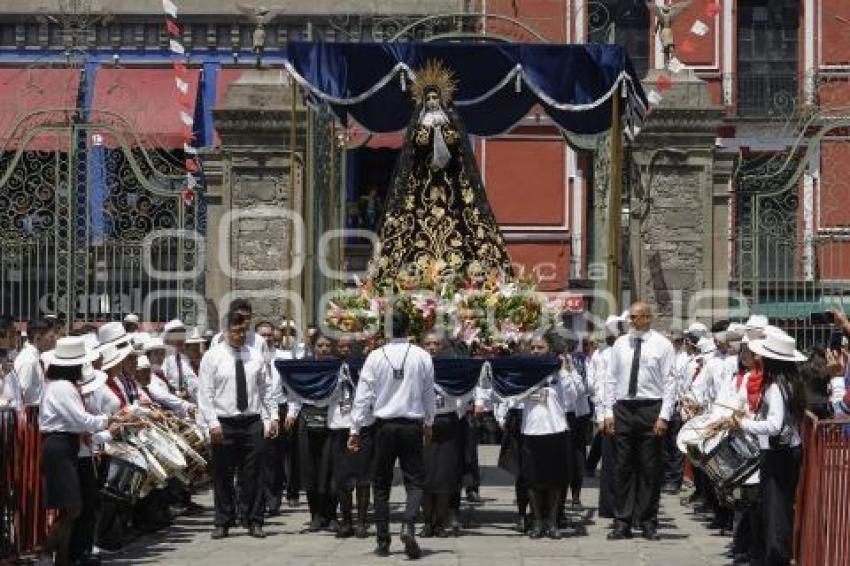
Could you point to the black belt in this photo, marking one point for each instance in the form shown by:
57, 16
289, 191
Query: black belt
60, 434
400, 420
239, 419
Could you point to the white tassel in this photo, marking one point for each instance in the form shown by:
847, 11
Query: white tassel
403, 77
518, 81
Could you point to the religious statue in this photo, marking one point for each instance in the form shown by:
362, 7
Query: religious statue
260, 16
437, 218
665, 16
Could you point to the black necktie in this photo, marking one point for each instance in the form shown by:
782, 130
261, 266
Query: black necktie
241, 384
633, 376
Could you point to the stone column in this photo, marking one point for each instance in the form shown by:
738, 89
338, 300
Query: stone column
679, 227
251, 195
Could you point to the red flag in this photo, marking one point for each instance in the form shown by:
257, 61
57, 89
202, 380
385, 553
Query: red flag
712, 9
664, 83
173, 28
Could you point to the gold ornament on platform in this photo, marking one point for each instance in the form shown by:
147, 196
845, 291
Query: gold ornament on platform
434, 76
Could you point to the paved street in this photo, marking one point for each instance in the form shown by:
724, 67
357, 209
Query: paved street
686, 540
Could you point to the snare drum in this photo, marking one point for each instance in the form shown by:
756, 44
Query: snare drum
731, 458
128, 470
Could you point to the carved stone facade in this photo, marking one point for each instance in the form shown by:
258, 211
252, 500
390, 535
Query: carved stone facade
679, 227
255, 198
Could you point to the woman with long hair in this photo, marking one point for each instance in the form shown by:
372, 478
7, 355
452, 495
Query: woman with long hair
779, 411
63, 420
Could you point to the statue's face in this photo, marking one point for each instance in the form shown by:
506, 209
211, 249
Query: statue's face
432, 101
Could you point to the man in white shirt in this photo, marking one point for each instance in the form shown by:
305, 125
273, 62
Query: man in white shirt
674, 460
28, 364
397, 387
235, 398
641, 392
177, 366
10, 388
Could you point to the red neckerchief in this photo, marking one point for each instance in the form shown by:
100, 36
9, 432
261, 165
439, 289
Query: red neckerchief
112, 383
739, 379
754, 389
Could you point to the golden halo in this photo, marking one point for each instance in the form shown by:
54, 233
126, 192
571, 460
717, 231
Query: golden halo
434, 75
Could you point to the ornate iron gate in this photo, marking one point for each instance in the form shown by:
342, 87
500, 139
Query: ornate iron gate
93, 224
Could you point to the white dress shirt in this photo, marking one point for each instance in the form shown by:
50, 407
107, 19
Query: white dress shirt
411, 397
30, 370
101, 401
217, 385
160, 394
342, 403
10, 391
172, 371
597, 369
544, 411
655, 380
776, 416
62, 410
837, 388
580, 406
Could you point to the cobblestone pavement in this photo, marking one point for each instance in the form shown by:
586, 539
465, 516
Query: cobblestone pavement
686, 540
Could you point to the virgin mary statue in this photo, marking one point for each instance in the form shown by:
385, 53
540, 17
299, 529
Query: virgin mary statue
437, 216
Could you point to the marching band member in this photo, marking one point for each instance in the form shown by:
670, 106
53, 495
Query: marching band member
10, 387
546, 444
674, 460
314, 456
176, 366
641, 392
351, 471
777, 423
157, 388
63, 419
28, 365
396, 387
235, 399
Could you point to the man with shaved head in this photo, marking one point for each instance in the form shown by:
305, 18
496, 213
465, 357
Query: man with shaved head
641, 392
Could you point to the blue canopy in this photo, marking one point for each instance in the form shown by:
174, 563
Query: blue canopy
498, 84
457, 375
514, 375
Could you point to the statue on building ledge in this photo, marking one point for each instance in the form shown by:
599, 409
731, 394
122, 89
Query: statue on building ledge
437, 211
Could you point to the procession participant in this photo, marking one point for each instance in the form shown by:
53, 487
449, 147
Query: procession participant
273, 472
235, 399
603, 442
244, 308
352, 471
641, 391
10, 387
314, 453
28, 365
674, 460
131, 324
176, 366
290, 349
157, 389
114, 347
195, 349
546, 444
777, 424
578, 419
396, 387
62, 420
443, 456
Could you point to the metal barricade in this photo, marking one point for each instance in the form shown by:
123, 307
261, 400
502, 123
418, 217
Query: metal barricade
822, 521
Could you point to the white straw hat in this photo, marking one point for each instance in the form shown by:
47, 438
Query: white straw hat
175, 325
70, 351
154, 343
698, 329
195, 337
131, 318
757, 321
114, 354
92, 380
777, 345
113, 334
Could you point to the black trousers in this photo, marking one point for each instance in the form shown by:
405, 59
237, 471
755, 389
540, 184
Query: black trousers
607, 497
82, 534
595, 452
578, 454
637, 479
291, 465
243, 449
780, 471
674, 460
274, 472
397, 439
471, 469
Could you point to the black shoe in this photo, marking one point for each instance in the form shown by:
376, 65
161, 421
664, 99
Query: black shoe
427, 531
650, 533
360, 531
345, 531
383, 548
440, 532
292, 502
554, 533
620, 533
537, 531
218, 532
316, 525
87, 560
577, 503
273, 510
521, 525
741, 559
411, 548
193, 508
472, 496
257, 531
332, 526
